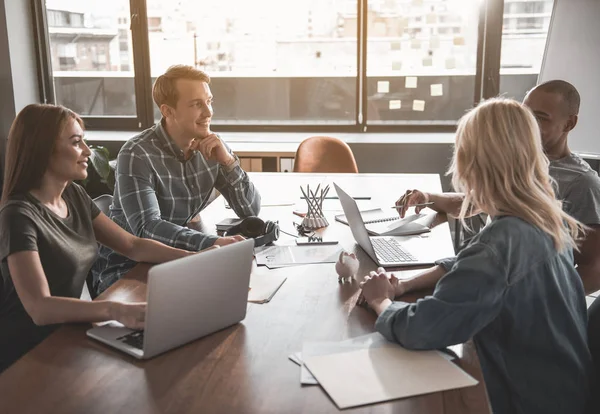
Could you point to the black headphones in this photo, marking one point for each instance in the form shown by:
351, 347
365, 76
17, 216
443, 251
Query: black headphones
263, 232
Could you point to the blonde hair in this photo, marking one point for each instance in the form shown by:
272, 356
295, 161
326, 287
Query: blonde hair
164, 90
500, 166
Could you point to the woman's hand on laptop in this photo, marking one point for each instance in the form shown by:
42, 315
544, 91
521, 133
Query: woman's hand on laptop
224, 241
132, 315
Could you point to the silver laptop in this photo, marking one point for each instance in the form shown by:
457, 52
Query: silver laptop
390, 251
187, 299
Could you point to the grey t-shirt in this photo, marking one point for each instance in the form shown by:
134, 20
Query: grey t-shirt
578, 187
67, 249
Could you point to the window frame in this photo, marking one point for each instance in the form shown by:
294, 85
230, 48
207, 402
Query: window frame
487, 78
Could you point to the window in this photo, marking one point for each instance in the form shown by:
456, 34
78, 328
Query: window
270, 61
89, 61
525, 29
319, 65
421, 70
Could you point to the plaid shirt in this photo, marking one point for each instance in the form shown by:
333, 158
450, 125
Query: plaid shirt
157, 192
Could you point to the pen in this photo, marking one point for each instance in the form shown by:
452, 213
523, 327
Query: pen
414, 205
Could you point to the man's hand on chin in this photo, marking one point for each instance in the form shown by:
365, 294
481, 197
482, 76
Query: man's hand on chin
212, 148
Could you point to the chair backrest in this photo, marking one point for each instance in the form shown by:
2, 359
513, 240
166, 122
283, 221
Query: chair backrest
324, 155
103, 202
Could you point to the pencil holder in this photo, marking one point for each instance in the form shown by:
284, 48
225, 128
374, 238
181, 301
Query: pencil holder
314, 219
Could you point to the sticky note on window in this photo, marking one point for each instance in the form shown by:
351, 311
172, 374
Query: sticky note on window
459, 41
415, 44
411, 82
417, 2
450, 63
402, 24
437, 89
418, 105
397, 65
383, 87
395, 45
427, 61
431, 18
434, 42
395, 104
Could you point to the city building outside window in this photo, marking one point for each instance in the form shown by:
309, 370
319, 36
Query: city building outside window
295, 63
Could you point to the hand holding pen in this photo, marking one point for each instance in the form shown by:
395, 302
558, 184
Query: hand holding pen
412, 198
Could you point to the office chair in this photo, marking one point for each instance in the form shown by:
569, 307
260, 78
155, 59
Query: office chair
324, 155
103, 202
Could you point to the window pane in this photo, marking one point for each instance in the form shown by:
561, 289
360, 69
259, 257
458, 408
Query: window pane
270, 61
524, 33
92, 57
421, 60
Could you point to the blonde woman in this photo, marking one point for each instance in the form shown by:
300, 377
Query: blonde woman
514, 288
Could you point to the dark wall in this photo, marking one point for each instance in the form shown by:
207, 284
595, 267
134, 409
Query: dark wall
7, 109
18, 70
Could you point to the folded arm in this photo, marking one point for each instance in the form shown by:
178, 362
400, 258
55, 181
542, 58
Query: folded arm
136, 248
426, 280
238, 190
465, 300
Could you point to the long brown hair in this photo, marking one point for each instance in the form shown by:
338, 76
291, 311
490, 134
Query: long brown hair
30, 145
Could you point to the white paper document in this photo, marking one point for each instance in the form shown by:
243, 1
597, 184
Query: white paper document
380, 374
296, 358
264, 286
296, 255
374, 340
309, 349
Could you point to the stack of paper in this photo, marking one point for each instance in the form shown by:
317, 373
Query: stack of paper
368, 369
310, 349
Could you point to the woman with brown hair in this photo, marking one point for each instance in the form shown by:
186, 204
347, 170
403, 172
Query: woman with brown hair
49, 232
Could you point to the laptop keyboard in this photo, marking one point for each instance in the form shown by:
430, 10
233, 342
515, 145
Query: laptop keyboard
134, 339
388, 250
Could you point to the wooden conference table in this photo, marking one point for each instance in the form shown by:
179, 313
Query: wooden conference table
245, 368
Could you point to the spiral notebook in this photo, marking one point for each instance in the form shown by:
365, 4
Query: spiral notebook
380, 223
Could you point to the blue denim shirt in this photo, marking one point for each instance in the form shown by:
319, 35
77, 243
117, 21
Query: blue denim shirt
523, 304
